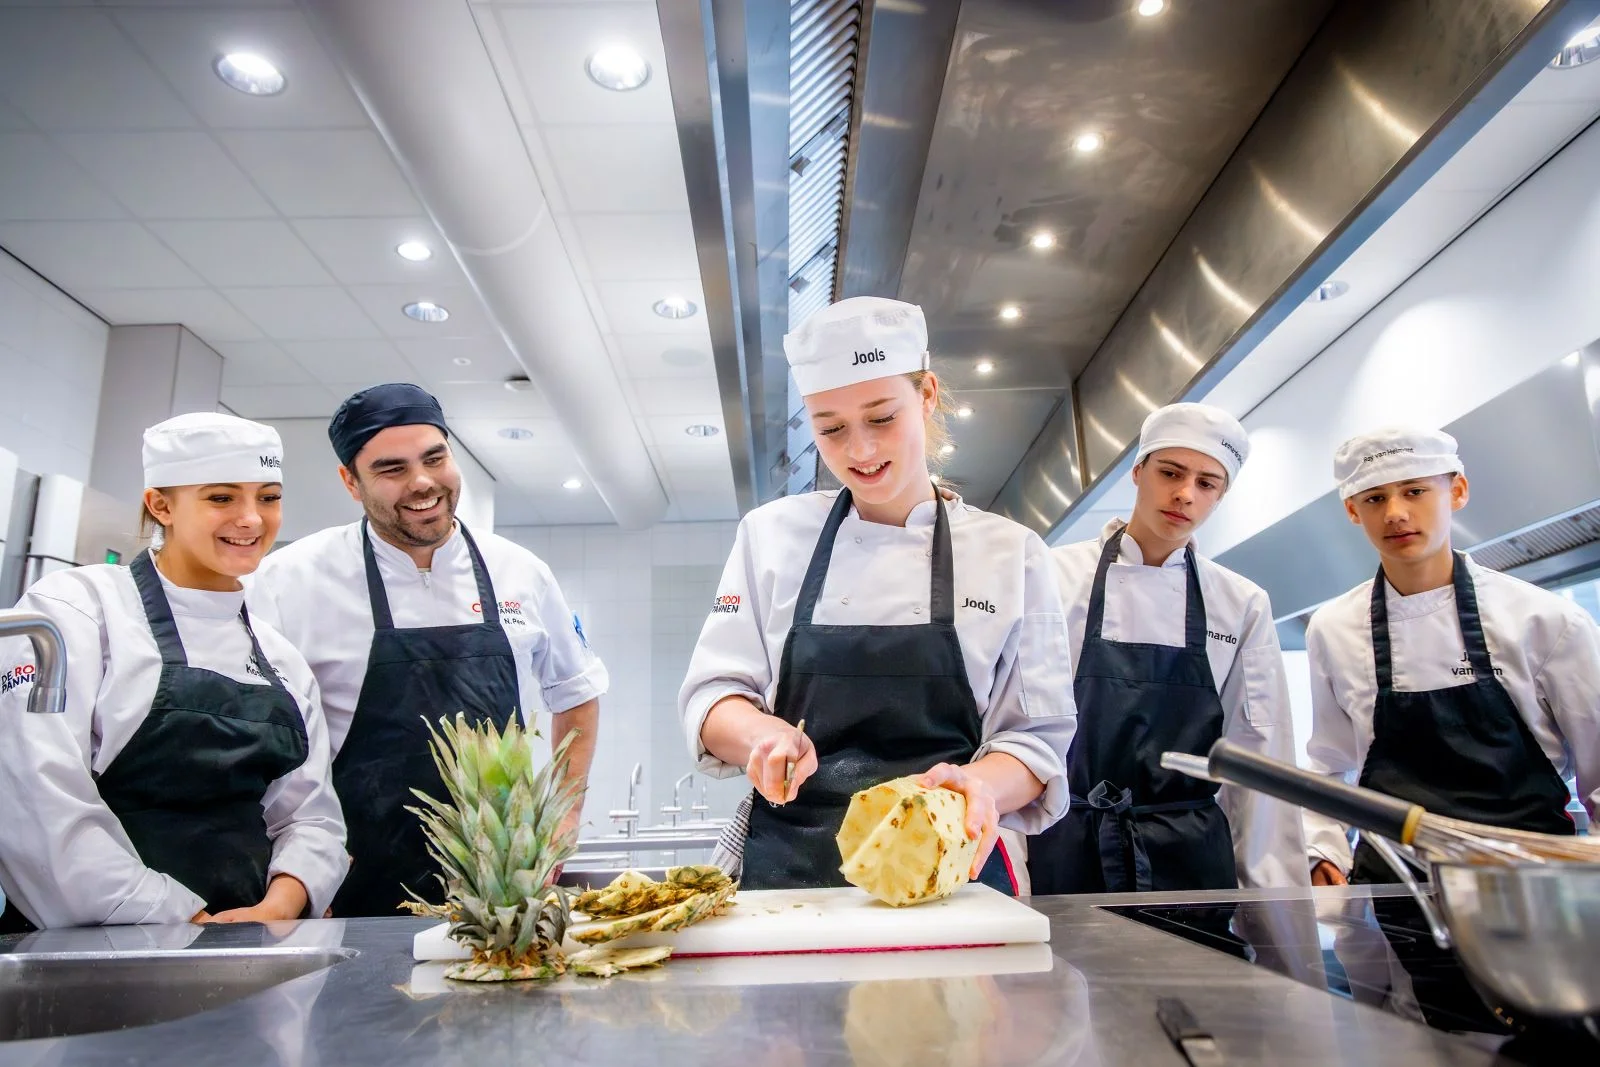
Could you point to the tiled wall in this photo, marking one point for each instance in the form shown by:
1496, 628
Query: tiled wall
642, 597
52, 357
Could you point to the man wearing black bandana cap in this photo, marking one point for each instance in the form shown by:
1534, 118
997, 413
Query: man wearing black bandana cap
408, 615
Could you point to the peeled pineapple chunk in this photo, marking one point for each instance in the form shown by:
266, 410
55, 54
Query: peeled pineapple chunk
906, 844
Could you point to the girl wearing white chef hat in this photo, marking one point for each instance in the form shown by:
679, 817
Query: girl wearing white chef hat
1441, 682
1172, 652
187, 778
912, 633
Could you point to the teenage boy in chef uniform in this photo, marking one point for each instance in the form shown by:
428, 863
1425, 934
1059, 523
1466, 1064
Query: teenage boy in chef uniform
1458, 688
407, 615
1172, 652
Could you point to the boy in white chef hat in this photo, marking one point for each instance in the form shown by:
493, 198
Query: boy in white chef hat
1460, 688
1172, 652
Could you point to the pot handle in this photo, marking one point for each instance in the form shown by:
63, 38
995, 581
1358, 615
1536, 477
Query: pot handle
1363, 808
1436, 926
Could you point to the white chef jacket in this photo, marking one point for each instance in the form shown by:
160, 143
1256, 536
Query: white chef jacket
1545, 649
1145, 605
65, 859
315, 592
1008, 620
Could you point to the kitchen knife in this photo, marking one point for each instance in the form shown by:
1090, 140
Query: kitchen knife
1194, 1041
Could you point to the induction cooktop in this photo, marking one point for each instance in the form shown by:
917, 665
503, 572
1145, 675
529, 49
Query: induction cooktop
1373, 950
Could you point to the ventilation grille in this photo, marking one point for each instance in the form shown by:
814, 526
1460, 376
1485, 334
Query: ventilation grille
1541, 542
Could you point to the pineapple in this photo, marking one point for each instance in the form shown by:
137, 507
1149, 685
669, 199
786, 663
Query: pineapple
633, 893
906, 844
498, 845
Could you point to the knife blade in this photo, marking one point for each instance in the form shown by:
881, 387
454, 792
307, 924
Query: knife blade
1185, 1031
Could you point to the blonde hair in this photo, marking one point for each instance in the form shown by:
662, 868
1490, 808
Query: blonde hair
938, 422
150, 527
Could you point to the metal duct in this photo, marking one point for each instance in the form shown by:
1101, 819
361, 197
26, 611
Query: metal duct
1511, 520
1385, 93
421, 71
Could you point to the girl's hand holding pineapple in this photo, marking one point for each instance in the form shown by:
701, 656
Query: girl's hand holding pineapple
995, 782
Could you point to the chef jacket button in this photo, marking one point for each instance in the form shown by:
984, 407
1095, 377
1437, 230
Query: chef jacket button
928, 553
844, 600
917, 610
858, 540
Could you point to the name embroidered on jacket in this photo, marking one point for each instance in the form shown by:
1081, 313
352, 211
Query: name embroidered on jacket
1225, 638
253, 671
21, 674
979, 605
726, 605
1468, 672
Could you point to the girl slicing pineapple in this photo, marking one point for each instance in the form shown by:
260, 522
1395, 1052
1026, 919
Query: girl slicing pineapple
187, 778
912, 633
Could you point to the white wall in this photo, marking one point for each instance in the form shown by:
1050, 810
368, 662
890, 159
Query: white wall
314, 497
52, 355
642, 597
1511, 296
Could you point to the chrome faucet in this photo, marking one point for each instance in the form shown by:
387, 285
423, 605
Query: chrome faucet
676, 807
49, 696
702, 809
629, 818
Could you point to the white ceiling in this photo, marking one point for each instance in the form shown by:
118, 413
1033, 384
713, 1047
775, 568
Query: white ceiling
135, 180
1544, 116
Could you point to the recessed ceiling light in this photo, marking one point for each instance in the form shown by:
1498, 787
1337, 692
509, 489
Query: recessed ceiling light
415, 251
701, 429
572, 483
963, 412
249, 73
462, 361
1088, 142
619, 68
985, 366
519, 384
674, 307
1151, 8
1011, 313
1043, 239
1332, 289
516, 433
946, 449
1582, 49
426, 311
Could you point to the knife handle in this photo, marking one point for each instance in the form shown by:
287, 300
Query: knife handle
1178, 1021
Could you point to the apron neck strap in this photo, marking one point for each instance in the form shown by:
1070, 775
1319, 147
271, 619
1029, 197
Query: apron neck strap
1194, 606
1471, 623
941, 596
158, 613
383, 617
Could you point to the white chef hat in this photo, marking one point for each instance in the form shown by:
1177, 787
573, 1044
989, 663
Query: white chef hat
1206, 429
857, 340
1393, 454
204, 447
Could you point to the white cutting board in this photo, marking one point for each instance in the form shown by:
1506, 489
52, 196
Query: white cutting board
770, 921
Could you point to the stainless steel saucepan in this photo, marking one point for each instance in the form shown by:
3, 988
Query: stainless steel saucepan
1526, 930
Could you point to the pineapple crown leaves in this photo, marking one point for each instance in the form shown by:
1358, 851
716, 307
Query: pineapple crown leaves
498, 839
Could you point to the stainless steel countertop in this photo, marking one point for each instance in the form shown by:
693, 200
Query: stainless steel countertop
1088, 1001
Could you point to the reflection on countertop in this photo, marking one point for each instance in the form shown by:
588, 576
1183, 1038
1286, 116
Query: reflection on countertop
1085, 1000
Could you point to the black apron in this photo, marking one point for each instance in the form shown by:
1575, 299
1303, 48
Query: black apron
879, 702
188, 785
1132, 825
1464, 751
426, 673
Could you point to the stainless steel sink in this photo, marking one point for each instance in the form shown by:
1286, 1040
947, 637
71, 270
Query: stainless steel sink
62, 994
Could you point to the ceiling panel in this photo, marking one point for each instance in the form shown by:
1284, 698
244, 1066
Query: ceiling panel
182, 44
650, 355
362, 251
170, 174
206, 313
679, 396
492, 400
96, 255
280, 401
304, 313
74, 69
627, 247
322, 173
260, 363
618, 168
38, 181
1572, 85
628, 305
1493, 164
245, 253
551, 44
436, 359
384, 302
350, 365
